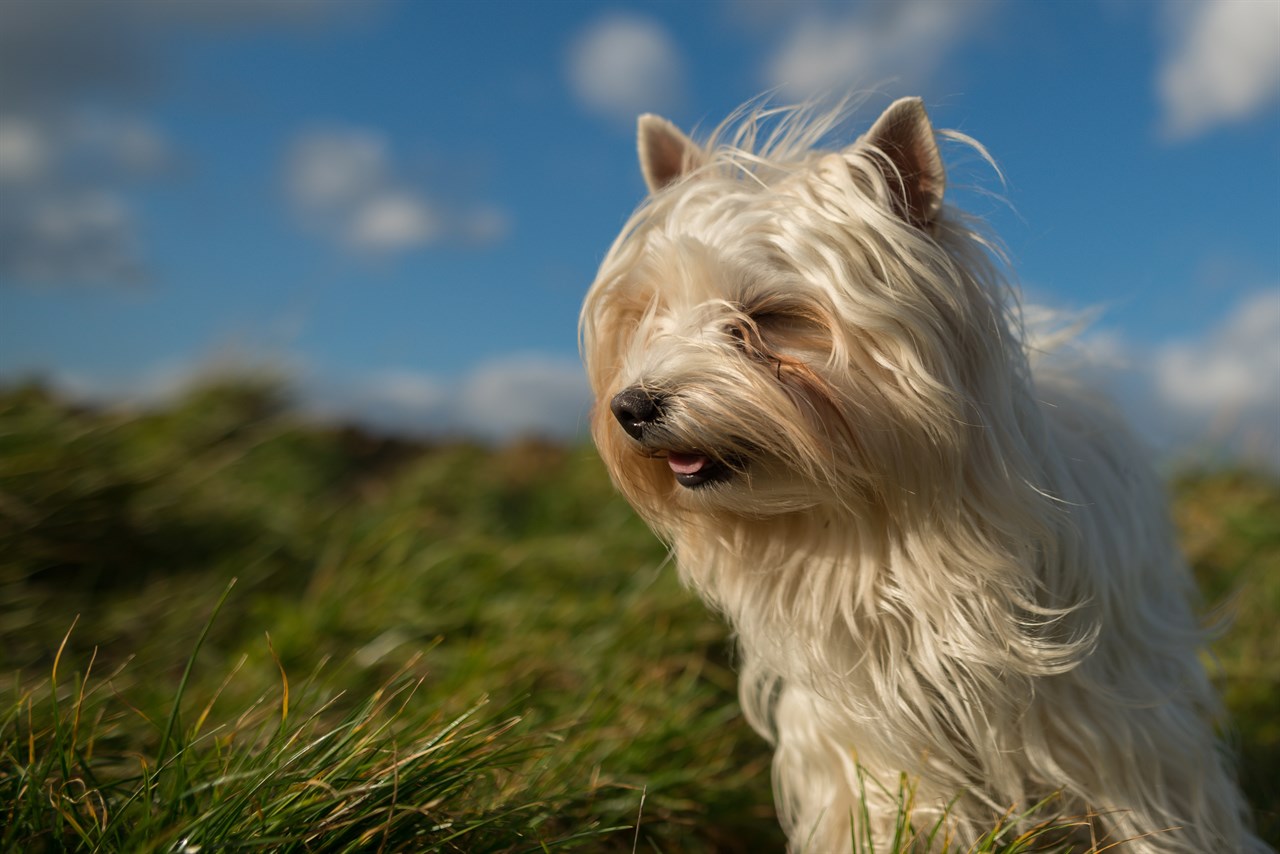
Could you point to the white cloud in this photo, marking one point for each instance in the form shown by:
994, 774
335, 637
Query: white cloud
1219, 391
331, 168
624, 65
1235, 371
525, 393
73, 75
1222, 63
406, 390
511, 396
77, 235
347, 184
515, 395
392, 220
65, 215
396, 400
24, 155
869, 44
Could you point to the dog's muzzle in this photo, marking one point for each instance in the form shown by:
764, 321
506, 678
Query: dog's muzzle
640, 414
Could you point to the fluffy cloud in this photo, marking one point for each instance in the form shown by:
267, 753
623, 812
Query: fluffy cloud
345, 183
516, 395
64, 212
1234, 372
392, 220
85, 235
1222, 63
1219, 392
333, 168
412, 394
623, 65
526, 393
73, 77
78, 145
864, 45
23, 154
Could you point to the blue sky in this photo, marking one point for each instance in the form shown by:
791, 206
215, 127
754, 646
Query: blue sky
401, 204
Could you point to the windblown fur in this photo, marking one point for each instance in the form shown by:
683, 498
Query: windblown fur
812, 381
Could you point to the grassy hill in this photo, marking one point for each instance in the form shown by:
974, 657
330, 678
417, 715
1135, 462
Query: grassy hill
425, 647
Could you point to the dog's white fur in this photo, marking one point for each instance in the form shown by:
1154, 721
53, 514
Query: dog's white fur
937, 561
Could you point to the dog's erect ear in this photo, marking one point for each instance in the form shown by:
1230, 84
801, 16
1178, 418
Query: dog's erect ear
904, 137
666, 154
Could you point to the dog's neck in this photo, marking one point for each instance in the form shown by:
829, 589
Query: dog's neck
849, 607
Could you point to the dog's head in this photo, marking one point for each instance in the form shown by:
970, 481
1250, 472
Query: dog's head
785, 327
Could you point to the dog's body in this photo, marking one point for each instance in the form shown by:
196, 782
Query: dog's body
811, 382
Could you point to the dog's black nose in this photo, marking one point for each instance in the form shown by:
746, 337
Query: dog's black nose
636, 409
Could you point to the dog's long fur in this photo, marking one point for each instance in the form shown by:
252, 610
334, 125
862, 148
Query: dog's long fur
936, 559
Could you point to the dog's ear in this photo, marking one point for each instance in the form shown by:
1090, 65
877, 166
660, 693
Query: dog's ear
908, 155
666, 154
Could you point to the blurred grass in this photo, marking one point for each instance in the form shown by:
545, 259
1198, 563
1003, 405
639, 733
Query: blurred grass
427, 647
1229, 523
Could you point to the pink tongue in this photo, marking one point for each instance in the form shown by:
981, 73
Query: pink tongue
686, 463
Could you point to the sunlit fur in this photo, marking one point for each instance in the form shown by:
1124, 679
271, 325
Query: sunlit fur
936, 559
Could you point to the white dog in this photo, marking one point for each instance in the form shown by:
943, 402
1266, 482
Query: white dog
812, 382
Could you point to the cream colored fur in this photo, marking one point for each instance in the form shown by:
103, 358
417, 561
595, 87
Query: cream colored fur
936, 560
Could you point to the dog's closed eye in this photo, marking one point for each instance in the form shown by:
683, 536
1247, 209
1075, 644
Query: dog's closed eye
755, 336
749, 337
742, 331
784, 322
773, 326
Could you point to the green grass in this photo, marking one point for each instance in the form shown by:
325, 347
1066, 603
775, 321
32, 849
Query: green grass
426, 648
